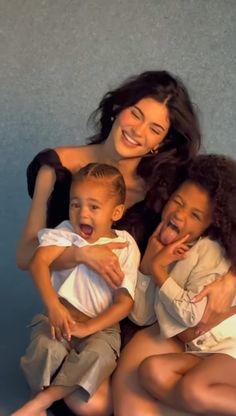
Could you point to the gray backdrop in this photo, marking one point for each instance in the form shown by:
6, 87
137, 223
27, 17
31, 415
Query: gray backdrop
57, 59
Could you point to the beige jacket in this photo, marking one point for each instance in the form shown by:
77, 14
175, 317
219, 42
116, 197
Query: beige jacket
171, 304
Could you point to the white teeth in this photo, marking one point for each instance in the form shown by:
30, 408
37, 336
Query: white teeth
174, 225
129, 139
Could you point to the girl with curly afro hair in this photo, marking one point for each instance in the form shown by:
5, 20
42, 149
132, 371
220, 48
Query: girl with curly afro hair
194, 244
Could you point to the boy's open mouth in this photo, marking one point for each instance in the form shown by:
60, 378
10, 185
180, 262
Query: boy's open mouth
169, 232
85, 230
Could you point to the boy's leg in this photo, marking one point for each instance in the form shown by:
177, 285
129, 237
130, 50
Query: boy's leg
91, 361
100, 404
43, 400
43, 356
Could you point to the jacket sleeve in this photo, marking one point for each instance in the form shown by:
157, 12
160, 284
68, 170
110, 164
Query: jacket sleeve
129, 262
176, 298
143, 312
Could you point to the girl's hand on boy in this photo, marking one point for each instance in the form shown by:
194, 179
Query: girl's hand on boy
61, 322
103, 261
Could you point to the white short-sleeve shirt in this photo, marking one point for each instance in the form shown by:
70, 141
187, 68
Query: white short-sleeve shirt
81, 286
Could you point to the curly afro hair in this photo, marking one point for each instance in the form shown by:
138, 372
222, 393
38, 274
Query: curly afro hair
217, 175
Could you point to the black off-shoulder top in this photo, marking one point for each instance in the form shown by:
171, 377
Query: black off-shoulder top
139, 220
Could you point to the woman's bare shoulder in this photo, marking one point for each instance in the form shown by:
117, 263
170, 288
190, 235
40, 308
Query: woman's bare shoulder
73, 157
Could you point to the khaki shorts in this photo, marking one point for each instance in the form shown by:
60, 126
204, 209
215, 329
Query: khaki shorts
85, 363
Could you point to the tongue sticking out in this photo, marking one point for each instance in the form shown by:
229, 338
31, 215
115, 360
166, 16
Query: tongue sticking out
86, 229
168, 234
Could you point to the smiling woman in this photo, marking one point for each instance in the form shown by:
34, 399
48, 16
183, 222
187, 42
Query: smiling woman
149, 111
140, 129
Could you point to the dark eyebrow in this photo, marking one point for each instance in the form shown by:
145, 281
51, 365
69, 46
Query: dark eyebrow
93, 200
142, 114
90, 200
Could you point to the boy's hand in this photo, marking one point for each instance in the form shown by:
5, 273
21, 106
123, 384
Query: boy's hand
61, 321
81, 329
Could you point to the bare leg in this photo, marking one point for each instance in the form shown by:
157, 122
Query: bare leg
43, 400
129, 397
187, 382
210, 387
100, 404
159, 374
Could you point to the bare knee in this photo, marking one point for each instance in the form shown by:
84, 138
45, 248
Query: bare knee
131, 410
152, 374
193, 393
133, 405
98, 405
84, 409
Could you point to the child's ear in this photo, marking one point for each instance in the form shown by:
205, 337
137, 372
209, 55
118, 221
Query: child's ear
118, 212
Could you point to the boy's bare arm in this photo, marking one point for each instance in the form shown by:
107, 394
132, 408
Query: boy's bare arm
58, 315
40, 271
119, 310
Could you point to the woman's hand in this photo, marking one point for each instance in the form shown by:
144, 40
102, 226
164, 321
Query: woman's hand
220, 295
103, 261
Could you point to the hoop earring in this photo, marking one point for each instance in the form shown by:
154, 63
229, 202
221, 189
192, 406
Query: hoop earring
154, 151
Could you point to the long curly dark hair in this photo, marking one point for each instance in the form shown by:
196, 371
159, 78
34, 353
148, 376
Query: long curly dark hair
217, 175
161, 172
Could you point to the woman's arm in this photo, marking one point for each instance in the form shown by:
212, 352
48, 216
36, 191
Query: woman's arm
36, 218
190, 333
99, 258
